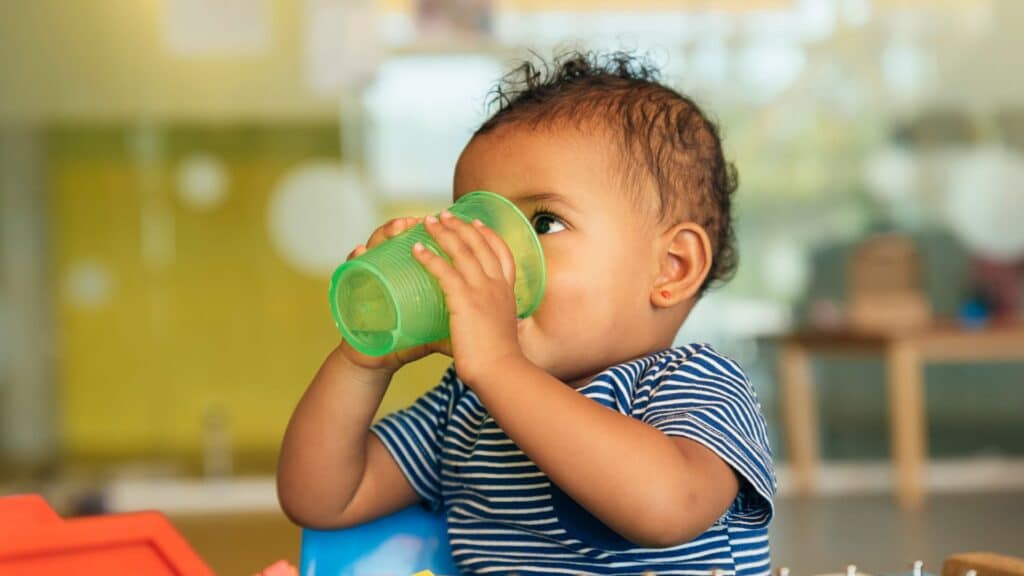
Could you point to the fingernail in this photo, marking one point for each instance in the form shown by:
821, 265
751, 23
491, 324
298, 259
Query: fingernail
417, 247
446, 214
432, 219
478, 223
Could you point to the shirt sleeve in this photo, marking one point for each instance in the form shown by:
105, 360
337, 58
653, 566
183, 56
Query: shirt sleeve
413, 437
707, 398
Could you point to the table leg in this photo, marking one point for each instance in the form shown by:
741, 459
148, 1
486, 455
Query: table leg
907, 422
800, 415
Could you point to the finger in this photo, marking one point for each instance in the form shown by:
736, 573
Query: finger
389, 230
501, 250
461, 255
398, 226
410, 221
450, 279
441, 347
477, 244
381, 233
357, 252
413, 354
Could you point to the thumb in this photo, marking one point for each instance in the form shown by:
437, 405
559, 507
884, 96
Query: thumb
412, 354
442, 347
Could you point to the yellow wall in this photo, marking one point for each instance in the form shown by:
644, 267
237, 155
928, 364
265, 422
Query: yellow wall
107, 59
225, 322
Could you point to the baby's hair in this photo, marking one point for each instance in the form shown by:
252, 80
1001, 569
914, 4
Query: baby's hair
666, 138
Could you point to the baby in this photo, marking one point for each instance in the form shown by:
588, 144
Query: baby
577, 440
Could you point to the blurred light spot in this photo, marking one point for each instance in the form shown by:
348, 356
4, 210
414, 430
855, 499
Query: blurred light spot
88, 284
770, 66
891, 174
907, 70
417, 134
856, 12
202, 182
784, 268
710, 62
318, 214
816, 18
333, 27
199, 28
985, 202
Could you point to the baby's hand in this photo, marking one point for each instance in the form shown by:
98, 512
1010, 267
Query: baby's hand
391, 362
478, 287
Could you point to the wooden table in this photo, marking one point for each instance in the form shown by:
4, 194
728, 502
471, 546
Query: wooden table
905, 355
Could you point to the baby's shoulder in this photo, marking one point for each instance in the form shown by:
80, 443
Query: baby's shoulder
682, 370
694, 370
691, 360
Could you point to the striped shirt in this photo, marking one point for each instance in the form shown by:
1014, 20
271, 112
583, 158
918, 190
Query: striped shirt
505, 516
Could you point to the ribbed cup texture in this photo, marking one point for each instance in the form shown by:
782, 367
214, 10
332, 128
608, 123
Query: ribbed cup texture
391, 274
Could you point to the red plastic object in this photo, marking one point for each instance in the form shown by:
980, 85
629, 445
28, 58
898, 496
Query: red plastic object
35, 541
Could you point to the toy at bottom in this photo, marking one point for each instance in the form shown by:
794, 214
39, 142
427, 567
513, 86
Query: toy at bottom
411, 541
35, 541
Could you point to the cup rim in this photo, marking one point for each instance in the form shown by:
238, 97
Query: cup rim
534, 240
347, 334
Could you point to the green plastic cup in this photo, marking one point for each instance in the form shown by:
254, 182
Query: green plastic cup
385, 300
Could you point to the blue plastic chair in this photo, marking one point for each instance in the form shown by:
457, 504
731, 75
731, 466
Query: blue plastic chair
402, 544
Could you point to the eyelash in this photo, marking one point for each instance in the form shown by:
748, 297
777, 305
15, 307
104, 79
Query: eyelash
544, 210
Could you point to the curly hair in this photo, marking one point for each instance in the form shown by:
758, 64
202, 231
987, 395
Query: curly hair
666, 138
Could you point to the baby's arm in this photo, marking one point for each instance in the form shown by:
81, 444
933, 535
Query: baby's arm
652, 489
332, 471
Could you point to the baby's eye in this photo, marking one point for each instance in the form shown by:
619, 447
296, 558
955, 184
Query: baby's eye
547, 223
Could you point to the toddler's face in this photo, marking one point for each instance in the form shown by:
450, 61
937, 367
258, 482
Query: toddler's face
599, 245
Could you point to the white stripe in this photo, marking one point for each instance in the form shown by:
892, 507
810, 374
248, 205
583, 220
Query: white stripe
743, 567
510, 510
499, 442
584, 562
485, 464
501, 487
547, 569
518, 499
537, 474
496, 532
754, 552
751, 540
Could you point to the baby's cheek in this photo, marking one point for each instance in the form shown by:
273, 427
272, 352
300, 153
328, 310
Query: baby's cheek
580, 300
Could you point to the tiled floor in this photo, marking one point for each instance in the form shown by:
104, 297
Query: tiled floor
824, 535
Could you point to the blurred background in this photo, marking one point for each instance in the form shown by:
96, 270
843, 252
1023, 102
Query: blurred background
178, 179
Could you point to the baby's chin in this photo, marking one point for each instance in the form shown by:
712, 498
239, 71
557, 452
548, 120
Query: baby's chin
528, 341
535, 347
549, 355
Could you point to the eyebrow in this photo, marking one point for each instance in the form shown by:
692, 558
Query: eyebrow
541, 197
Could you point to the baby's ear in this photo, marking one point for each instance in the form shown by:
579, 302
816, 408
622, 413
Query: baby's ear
684, 261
